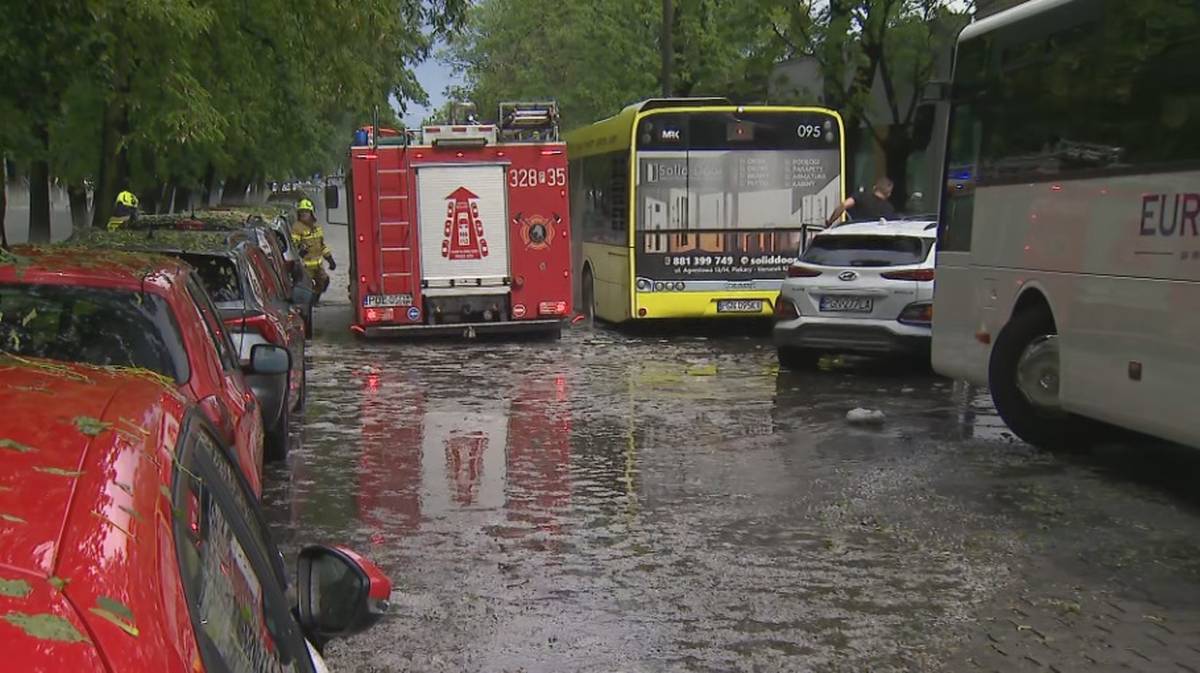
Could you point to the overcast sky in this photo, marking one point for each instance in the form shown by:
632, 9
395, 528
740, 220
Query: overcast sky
433, 76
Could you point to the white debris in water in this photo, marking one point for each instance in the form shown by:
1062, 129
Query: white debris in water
864, 416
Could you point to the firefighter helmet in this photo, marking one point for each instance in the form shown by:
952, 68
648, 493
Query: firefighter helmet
305, 204
127, 199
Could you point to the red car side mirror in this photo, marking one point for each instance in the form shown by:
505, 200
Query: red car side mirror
340, 593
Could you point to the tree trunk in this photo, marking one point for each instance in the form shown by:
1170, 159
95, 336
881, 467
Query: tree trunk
39, 202
667, 46
108, 177
897, 147
77, 196
183, 200
235, 191
210, 183
3, 201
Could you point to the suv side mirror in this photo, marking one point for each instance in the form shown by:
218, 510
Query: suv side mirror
340, 593
269, 359
331, 197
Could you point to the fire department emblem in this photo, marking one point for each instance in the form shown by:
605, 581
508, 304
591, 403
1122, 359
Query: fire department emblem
463, 234
537, 231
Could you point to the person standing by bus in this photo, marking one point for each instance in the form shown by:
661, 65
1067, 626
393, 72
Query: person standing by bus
310, 241
872, 206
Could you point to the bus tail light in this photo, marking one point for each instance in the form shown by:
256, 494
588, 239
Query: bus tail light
912, 274
785, 309
917, 313
800, 271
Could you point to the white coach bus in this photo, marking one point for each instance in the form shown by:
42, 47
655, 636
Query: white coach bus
1068, 264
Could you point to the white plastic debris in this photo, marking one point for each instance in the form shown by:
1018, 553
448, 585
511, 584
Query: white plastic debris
865, 416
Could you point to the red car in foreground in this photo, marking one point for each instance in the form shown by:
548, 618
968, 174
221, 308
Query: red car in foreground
130, 541
138, 311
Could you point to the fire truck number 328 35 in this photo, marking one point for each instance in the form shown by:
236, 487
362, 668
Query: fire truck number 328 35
531, 177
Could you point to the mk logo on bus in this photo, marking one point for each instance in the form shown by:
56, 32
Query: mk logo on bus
1170, 215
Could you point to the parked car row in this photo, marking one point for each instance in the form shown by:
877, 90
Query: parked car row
145, 375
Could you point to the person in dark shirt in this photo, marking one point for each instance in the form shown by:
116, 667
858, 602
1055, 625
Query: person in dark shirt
872, 206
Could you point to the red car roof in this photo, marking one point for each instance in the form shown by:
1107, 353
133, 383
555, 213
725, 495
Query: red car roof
86, 453
60, 264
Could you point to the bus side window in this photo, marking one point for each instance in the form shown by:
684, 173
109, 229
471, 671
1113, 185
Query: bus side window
618, 190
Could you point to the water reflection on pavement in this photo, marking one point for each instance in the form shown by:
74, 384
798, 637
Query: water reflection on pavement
610, 503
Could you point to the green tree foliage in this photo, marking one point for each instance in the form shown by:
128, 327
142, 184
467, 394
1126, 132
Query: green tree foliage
179, 93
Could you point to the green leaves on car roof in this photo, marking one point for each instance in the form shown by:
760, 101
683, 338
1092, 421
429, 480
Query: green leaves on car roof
91, 426
14, 588
115, 612
14, 445
46, 627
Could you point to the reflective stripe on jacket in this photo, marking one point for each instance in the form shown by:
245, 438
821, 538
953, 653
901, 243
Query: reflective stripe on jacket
310, 241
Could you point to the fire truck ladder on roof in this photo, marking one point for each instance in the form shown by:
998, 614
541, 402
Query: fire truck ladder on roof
528, 121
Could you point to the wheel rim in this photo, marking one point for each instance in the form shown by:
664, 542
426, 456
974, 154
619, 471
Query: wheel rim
1038, 373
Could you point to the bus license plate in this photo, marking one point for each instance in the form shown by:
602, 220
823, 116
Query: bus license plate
386, 300
739, 306
847, 304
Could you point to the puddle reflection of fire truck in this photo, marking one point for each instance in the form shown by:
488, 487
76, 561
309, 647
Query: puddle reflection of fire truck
424, 457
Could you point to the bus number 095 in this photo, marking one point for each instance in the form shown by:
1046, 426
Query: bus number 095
809, 131
533, 177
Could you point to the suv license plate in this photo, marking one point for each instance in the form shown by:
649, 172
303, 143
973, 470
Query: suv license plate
386, 300
834, 304
739, 306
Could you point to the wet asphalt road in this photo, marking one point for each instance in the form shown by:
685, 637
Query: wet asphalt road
638, 503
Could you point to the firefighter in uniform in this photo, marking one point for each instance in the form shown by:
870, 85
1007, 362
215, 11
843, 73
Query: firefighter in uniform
124, 210
310, 241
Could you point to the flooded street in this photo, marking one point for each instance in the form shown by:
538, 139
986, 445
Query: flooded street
618, 503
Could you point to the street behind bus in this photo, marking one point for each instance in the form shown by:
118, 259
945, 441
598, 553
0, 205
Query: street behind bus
614, 502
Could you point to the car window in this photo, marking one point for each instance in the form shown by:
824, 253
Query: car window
851, 250
95, 326
212, 324
239, 607
219, 275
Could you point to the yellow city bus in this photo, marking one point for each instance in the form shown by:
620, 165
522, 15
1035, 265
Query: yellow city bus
695, 207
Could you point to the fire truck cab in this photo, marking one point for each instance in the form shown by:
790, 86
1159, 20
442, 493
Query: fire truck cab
461, 228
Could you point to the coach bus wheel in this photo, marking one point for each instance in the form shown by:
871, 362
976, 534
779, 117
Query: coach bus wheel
589, 297
1024, 377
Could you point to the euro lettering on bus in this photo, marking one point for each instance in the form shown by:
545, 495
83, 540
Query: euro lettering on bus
1170, 215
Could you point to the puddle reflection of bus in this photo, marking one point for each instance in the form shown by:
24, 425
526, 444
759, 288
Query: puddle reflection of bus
424, 457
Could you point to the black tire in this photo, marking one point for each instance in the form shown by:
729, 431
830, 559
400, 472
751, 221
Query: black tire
589, 297
277, 442
797, 359
1046, 429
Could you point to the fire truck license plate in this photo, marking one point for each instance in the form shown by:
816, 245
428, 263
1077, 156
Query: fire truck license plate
739, 306
386, 300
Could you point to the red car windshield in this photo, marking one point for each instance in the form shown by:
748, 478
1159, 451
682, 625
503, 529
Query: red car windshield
95, 326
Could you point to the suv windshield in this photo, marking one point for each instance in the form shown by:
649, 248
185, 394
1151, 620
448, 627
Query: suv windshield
219, 275
92, 326
850, 250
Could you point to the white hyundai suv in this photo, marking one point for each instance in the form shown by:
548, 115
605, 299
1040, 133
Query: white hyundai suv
859, 288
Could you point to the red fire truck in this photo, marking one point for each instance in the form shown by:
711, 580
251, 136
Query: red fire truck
461, 228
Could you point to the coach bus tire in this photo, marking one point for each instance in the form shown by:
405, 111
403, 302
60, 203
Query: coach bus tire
1023, 375
797, 359
589, 297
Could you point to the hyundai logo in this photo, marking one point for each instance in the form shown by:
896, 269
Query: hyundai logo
847, 275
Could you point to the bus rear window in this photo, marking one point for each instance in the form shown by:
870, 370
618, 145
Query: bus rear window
867, 250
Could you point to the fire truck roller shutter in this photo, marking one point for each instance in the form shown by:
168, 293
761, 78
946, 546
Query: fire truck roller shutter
463, 227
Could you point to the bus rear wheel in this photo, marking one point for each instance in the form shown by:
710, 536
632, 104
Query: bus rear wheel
1024, 375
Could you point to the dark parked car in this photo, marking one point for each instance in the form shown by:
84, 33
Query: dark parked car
252, 302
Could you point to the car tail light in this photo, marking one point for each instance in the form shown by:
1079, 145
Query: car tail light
800, 271
218, 413
260, 323
917, 313
552, 308
785, 309
911, 274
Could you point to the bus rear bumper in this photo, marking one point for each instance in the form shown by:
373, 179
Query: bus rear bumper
460, 330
